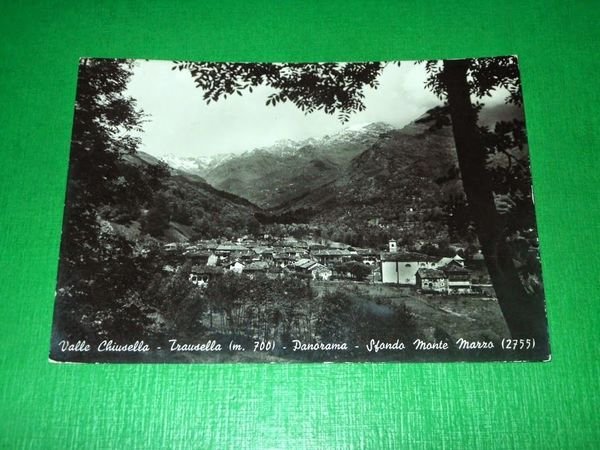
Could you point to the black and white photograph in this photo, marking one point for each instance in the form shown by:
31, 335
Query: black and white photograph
228, 212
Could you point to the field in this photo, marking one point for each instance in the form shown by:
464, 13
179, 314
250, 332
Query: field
450, 316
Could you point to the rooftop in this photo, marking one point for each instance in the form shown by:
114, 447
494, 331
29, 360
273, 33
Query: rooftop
256, 265
232, 248
305, 263
453, 268
431, 273
206, 269
407, 257
332, 252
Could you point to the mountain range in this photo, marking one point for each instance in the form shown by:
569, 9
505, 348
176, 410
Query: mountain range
273, 175
368, 175
405, 174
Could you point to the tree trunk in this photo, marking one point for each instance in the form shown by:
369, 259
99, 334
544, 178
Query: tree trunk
524, 313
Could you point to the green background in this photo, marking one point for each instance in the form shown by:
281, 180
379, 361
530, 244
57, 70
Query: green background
486, 405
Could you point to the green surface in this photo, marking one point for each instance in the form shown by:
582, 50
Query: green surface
487, 405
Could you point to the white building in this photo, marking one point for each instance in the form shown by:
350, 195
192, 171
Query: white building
401, 268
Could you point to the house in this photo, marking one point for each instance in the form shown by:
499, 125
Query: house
321, 272
201, 275
308, 266
457, 259
226, 249
283, 259
197, 256
236, 266
265, 253
170, 247
432, 280
247, 242
459, 279
256, 267
210, 245
341, 246
332, 256
368, 256
401, 268
316, 246
304, 263
245, 256
293, 252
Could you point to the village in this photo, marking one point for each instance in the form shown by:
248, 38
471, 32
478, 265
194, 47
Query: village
329, 261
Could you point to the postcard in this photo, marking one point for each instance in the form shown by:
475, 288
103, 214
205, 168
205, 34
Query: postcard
299, 212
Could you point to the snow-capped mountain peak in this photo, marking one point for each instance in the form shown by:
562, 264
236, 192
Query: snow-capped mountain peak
195, 164
361, 133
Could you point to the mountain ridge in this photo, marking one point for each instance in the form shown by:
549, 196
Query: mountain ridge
273, 175
371, 178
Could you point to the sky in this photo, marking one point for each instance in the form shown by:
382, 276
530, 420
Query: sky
180, 123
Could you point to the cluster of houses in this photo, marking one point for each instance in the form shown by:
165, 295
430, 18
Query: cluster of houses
316, 260
273, 258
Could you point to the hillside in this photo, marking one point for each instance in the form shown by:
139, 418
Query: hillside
186, 207
401, 183
288, 169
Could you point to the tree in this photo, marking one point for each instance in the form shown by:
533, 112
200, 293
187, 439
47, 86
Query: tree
99, 271
156, 221
180, 302
524, 313
333, 321
356, 269
103, 116
338, 88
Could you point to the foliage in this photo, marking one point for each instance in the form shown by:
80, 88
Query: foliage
260, 308
100, 271
156, 221
484, 75
329, 87
207, 212
335, 317
263, 307
357, 270
180, 303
